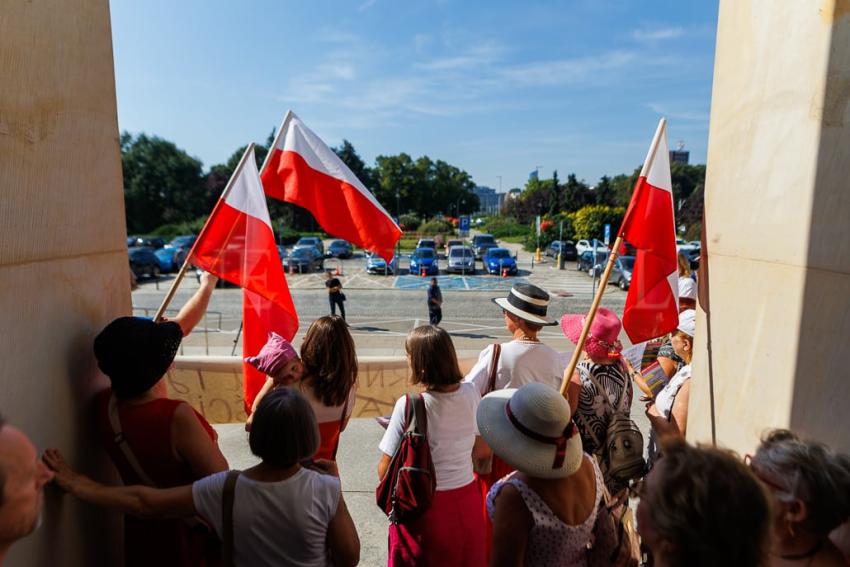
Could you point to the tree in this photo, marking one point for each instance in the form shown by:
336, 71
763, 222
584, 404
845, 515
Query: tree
576, 194
589, 222
355, 163
604, 192
162, 183
555, 200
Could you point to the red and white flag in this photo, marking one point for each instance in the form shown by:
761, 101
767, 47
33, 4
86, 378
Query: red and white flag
652, 305
303, 170
237, 244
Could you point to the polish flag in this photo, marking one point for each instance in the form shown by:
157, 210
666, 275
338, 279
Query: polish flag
301, 169
237, 244
652, 304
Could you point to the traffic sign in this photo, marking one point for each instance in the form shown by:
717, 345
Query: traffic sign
464, 223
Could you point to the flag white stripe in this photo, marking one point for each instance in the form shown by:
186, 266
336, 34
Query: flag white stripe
247, 194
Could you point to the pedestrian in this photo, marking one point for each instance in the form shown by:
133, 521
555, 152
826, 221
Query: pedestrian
22, 479
329, 379
702, 507
543, 513
151, 438
523, 360
810, 488
592, 408
667, 358
283, 512
335, 295
435, 302
668, 411
451, 531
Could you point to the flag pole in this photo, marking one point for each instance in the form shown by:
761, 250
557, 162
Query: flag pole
185, 267
612, 258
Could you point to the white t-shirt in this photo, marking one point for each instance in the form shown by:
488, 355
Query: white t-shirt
275, 523
520, 362
451, 433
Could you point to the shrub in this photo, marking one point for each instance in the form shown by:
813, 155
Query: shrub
409, 222
435, 226
590, 221
500, 227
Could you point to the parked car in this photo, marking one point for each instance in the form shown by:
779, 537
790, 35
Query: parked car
339, 249
311, 241
282, 252
586, 263
143, 262
424, 259
169, 259
481, 239
426, 243
378, 266
154, 242
450, 244
585, 245
461, 259
621, 274
570, 252
498, 259
304, 259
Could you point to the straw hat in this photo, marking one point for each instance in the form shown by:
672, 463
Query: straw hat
531, 430
527, 302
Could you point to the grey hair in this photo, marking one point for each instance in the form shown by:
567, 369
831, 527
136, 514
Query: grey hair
811, 472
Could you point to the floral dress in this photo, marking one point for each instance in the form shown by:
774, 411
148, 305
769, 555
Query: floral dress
551, 542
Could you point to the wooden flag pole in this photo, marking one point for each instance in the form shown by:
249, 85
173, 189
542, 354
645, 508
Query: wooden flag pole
185, 267
597, 299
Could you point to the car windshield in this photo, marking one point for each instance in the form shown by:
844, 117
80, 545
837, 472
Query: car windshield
498, 254
454, 243
627, 263
460, 252
424, 253
302, 252
181, 241
426, 244
338, 244
484, 240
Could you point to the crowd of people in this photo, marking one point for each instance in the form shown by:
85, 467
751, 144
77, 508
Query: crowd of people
521, 474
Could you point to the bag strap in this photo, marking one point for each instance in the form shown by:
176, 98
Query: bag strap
494, 368
419, 419
121, 440
228, 495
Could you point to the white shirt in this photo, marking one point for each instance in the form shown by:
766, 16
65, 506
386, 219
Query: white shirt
451, 433
665, 398
520, 362
275, 523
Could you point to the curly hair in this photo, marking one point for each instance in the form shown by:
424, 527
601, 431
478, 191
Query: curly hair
813, 473
710, 507
330, 359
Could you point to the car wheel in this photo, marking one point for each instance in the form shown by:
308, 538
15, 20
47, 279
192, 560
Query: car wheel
623, 284
154, 271
578, 266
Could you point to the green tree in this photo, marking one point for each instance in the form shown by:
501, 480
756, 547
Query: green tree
577, 194
556, 198
355, 163
604, 192
162, 183
589, 222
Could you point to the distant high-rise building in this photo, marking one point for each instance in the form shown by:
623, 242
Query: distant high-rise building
680, 154
489, 202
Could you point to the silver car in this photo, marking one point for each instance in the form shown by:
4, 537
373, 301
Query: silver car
461, 259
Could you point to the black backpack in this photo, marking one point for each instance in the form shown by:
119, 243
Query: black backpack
621, 455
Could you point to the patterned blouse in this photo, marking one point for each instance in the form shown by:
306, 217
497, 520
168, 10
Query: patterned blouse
593, 414
551, 541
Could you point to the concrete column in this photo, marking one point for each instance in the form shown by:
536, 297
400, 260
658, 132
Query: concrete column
778, 208
63, 259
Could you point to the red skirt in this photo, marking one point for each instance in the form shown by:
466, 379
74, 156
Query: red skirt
499, 470
450, 533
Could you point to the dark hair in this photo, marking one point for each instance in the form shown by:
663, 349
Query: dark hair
284, 431
813, 473
433, 360
709, 507
329, 358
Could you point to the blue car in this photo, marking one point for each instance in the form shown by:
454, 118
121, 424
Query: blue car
498, 259
168, 259
424, 259
378, 266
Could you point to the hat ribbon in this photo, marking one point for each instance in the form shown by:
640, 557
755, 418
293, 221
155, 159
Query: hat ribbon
560, 442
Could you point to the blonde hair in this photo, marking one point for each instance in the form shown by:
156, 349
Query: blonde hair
684, 266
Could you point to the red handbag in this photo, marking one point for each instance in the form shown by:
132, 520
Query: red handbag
407, 490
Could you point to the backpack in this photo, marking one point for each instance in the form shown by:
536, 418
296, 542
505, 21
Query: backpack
621, 456
614, 541
406, 491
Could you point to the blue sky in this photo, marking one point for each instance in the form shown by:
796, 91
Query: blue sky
495, 88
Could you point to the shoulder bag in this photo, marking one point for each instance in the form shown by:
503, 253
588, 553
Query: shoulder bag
485, 465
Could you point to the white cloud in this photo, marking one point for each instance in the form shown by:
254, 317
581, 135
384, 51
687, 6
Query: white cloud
475, 56
657, 34
366, 5
565, 71
674, 112
420, 42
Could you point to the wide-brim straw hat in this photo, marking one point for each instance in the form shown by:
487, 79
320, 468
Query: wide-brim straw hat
530, 429
528, 302
602, 339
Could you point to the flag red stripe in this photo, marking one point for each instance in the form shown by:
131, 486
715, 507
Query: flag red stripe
259, 317
651, 307
338, 206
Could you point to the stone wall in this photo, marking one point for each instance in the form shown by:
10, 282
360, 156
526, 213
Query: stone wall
63, 258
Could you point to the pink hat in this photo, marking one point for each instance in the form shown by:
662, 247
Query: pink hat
274, 355
602, 339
